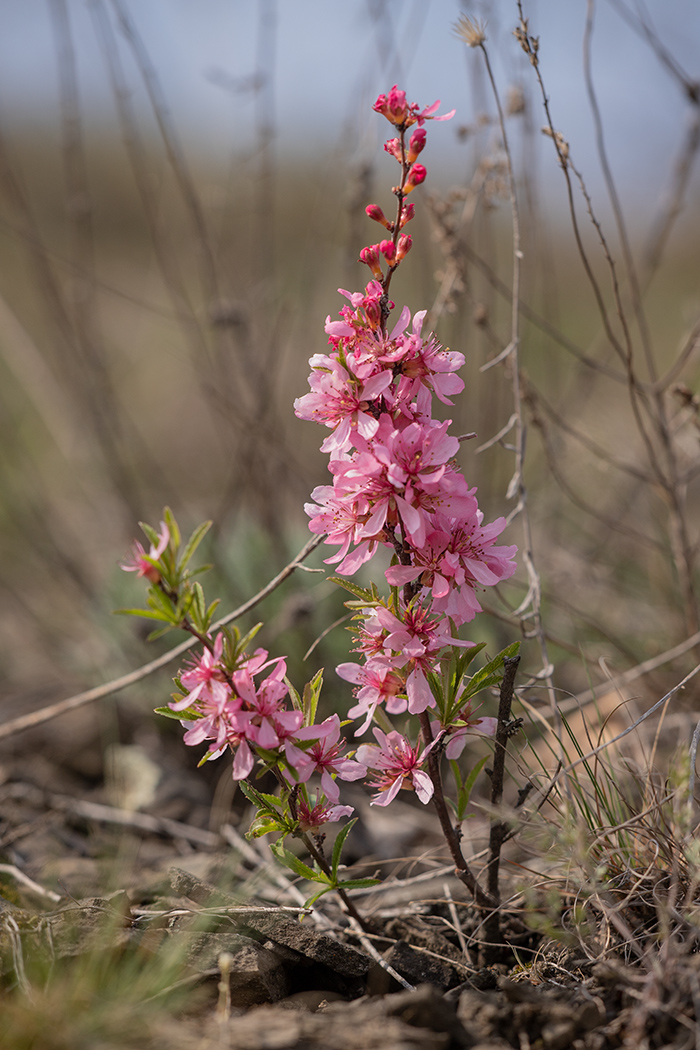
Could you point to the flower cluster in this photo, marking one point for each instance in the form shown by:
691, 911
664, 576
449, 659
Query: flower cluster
396, 484
228, 708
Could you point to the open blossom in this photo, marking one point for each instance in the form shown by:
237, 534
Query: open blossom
198, 676
465, 724
324, 756
415, 642
397, 765
457, 558
340, 402
377, 683
142, 563
316, 812
395, 108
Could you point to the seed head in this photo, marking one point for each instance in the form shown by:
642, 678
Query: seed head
471, 31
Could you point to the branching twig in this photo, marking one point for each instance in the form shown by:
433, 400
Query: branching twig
117, 684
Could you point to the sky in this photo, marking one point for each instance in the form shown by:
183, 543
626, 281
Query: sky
330, 59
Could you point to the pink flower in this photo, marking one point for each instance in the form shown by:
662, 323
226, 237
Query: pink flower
312, 817
324, 756
340, 402
217, 707
417, 641
457, 733
200, 673
397, 765
396, 110
378, 683
341, 519
142, 563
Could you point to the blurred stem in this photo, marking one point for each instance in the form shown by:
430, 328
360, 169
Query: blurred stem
499, 828
451, 834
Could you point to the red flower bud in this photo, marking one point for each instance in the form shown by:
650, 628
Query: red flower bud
370, 256
417, 144
373, 314
407, 213
393, 146
376, 213
403, 247
393, 106
415, 176
388, 250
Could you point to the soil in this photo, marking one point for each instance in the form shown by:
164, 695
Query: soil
90, 872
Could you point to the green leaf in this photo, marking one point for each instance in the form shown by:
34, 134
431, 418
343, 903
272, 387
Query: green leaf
253, 795
312, 694
194, 542
263, 824
338, 846
435, 686
188, 715
291, 861
356, 884
160, 601
175, 538
148, 614
490, 674
293, 695
158, 633
359, 592
312, 900
465, 790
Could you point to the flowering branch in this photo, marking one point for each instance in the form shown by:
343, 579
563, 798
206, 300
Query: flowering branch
396, 485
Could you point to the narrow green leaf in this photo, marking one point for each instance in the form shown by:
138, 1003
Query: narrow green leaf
242, 644
188, 715
148, 614
355, 884
338, 846
294, 695
359, 592
466, 789
312, 900
312, 694
291, 861
194, 542
252, 794
175, 538
263, 825
158, 633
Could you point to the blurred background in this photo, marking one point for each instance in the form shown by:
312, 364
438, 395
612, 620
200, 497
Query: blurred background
182, 191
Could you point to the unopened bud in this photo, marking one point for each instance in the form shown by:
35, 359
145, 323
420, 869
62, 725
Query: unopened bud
415, 176
416, 145
407, 213
403, 247
373, 314
370, 256
376, 213
388, 250
393, 146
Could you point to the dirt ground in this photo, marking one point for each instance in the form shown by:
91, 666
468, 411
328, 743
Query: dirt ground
139, 862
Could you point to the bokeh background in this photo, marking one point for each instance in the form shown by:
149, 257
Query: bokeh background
182, 191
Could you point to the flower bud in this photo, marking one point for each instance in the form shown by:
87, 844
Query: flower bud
388, 250
374, 314
393, 146
416, 145
376, 213
370, 256
393, 106
404, 246
415, 176
407, 213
